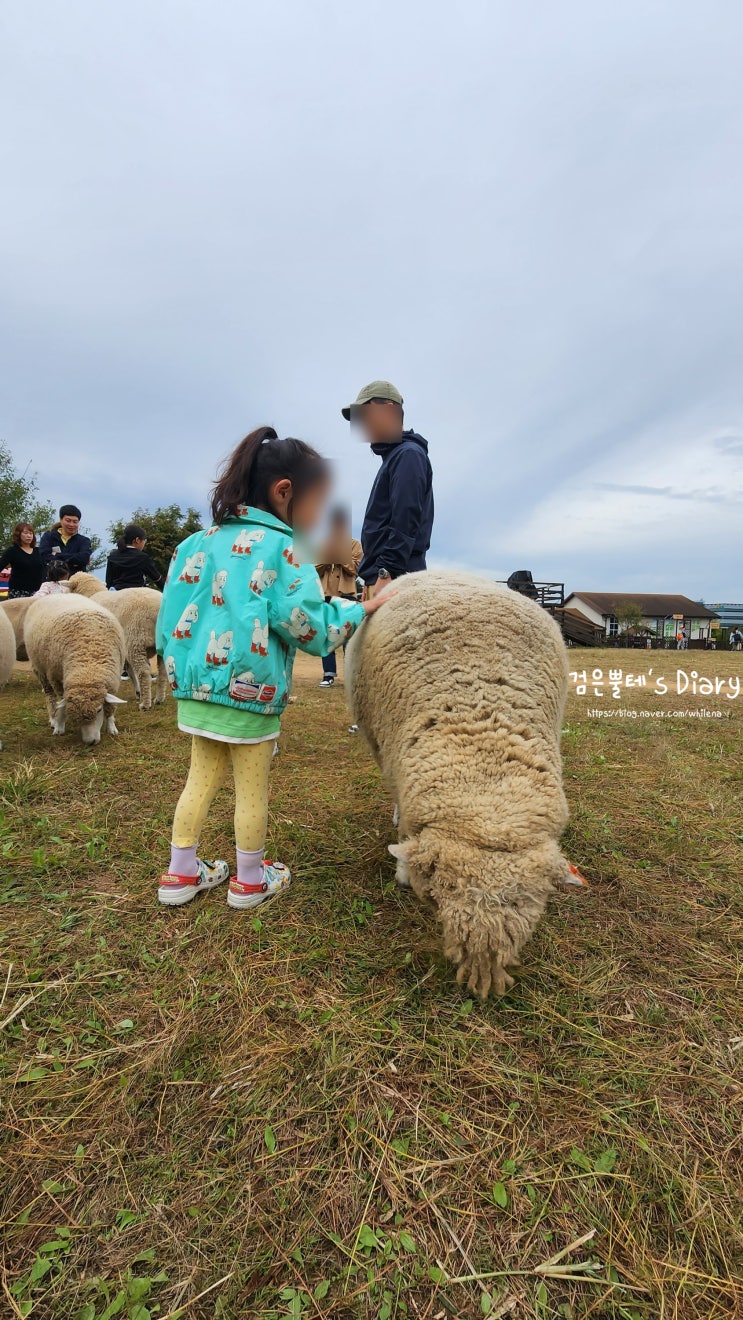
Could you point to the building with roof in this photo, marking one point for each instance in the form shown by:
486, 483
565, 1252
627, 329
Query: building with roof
662, 616
729, 615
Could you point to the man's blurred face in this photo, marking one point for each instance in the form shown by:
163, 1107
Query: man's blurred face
379, 423
69, 524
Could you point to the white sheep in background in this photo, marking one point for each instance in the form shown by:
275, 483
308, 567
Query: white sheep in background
7, 650
15, 610
76, 649
458, 686
85, 584
136, 609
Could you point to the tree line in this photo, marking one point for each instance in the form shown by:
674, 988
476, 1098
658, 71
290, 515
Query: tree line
165, 527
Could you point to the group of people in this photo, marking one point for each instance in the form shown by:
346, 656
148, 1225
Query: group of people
43, 569
230, 662
36, 569
238, 602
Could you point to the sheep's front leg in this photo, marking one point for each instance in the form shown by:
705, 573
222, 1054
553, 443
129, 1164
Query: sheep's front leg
139, 668
110, 721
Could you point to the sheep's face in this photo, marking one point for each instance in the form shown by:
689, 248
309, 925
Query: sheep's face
88, 710
488, 902
91, 731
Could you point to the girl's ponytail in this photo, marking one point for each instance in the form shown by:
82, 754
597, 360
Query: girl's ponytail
260, 460
233, 482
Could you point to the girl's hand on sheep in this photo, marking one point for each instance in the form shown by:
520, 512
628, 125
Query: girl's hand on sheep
370, 606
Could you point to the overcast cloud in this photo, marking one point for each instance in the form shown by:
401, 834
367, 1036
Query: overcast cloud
527, 216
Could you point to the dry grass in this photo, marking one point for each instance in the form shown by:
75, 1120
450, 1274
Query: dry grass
295, 1112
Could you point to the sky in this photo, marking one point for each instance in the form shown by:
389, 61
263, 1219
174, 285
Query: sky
527, 216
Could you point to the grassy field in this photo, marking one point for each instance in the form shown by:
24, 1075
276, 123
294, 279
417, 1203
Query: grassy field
296, 1112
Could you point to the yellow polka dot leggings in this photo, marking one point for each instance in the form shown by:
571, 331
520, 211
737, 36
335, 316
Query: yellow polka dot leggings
210, 763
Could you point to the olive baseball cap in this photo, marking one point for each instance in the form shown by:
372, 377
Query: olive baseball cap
377, 389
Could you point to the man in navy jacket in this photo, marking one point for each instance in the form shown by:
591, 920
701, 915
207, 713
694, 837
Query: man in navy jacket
65, 542
399, 516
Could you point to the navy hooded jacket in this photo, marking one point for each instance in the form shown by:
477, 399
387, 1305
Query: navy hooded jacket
399, 515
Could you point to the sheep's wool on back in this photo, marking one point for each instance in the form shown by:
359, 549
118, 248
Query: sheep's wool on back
459, 686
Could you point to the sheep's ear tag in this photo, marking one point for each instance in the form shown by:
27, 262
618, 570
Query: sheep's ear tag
399, 850
115, 701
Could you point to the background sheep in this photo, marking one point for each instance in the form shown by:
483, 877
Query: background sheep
85, 584
15, 610
137, 610
459, 686
76, 649
7, 650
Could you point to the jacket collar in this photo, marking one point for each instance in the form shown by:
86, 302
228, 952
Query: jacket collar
383, 451
248, 514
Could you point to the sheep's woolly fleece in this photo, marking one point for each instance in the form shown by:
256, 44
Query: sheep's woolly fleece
7, 650
76, 649
136, 610
459, 686
16, 610
85, 584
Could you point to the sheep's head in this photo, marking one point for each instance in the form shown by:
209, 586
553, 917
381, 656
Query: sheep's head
85, 584
488, 902
87, 707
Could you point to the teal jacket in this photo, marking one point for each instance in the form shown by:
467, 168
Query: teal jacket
237, 603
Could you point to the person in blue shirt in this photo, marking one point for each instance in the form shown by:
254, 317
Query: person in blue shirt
399, 516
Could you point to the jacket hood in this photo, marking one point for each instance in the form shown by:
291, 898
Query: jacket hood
384, 450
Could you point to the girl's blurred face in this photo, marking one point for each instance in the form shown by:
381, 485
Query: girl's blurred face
27, 536
307, 509
301, 512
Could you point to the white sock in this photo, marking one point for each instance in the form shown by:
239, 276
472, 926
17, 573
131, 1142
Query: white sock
183, 861
250, 867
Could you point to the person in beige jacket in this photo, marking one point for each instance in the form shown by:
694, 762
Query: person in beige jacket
341, 558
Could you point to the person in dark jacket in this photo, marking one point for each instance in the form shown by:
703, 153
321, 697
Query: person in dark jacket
399, 516
128, 565
25, 562
66, 541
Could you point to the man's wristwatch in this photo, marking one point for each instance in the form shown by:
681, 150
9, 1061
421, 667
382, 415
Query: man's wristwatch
384, 574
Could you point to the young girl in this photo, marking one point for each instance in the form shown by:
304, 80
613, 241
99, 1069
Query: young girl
237, 604
56, 578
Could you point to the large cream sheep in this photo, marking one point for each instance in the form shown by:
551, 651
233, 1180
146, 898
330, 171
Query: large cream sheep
459, 685
136, 609
7, 650
76, 649
15, 610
